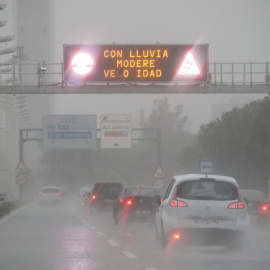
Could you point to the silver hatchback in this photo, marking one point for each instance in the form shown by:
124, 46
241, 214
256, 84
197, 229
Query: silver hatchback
201, 209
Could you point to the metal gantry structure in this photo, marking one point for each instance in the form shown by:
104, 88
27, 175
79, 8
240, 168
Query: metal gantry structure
47, 78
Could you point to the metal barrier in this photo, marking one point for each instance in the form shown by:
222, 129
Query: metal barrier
7, 207
50, 74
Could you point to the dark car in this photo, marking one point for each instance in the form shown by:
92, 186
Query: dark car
135, 202
103, 196
257, 205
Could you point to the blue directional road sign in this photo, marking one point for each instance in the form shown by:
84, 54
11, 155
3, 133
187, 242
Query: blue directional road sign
70, 131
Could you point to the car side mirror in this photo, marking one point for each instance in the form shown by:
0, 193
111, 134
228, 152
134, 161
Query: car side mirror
157, 199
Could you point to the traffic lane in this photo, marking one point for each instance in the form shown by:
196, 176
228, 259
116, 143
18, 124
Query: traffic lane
139, 239
48, 237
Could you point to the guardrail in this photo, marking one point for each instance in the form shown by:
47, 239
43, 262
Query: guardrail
7, 207
50, 74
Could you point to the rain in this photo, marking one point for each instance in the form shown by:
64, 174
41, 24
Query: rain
65, 137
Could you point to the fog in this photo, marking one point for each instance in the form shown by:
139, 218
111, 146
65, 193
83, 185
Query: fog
66, 236
235, 32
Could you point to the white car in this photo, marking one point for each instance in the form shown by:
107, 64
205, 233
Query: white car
50, 194
201, 209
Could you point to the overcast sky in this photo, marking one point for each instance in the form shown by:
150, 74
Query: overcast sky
236, 31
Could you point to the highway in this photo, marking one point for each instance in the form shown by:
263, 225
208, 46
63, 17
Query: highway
63, 237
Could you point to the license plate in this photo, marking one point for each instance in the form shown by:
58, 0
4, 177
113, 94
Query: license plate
206, 221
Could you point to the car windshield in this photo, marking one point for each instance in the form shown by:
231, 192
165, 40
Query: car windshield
50, 190
146, 192
253, 195
207, 190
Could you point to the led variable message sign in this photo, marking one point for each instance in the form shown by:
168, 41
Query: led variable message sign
135, 63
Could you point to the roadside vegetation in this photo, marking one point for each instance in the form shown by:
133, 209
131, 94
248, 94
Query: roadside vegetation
239, 142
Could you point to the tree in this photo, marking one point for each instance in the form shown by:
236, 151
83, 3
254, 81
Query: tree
163, 117
240, 143
170, 122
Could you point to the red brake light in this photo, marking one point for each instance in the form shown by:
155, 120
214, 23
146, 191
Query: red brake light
59, 195
182, 204
178, 203
237, 205
93, 197
121, 200
241, 205
129, 202
265, 208
82, 204
41, 194
173, 203
233, 206
176, 236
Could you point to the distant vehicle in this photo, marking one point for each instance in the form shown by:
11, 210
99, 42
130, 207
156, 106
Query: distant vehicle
85, 196
258, 206
50, 195
103, 196
135, 203
202, 210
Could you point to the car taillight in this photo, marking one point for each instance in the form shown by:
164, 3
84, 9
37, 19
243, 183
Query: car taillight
82, 203
129, 202
176, 236
237, 205
41, 194
93, 197
265, 208
178, 203
59, 195
121, 200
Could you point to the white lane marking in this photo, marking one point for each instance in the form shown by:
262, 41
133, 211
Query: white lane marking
100, 233
93, 228
129, 255
112, 242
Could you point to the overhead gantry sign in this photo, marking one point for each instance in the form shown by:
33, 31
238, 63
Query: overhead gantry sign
135, 63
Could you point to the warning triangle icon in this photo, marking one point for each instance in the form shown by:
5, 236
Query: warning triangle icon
189, 66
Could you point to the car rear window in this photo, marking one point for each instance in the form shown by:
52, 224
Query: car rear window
147, 192
108, 189
50, 190
207, 190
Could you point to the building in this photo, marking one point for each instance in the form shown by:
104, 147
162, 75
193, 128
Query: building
29, 23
